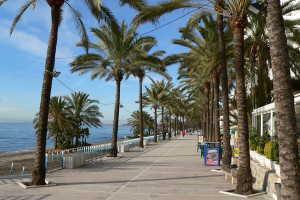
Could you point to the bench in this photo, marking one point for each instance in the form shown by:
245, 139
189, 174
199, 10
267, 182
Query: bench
201, 147
230, 174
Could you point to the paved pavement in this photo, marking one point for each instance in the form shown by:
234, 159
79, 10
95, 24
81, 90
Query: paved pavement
169, 170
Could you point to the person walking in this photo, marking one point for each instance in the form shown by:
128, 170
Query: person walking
183, 133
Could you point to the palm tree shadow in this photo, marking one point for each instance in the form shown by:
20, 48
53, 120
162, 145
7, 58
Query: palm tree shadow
29, 197
141, 180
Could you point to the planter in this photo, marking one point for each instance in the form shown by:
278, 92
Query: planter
277, 169
269, 164
253, 154
261, 159
257, 156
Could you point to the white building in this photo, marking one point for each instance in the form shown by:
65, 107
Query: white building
264, 118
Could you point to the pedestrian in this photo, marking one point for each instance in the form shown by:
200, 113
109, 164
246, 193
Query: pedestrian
183, 133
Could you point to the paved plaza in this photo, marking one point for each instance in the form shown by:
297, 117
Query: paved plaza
169, 170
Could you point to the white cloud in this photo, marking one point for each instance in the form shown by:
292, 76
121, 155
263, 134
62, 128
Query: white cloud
8, 109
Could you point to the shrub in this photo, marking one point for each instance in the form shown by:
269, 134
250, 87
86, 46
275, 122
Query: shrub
260, 150
261, 143
253, 140
276, 150
270, 151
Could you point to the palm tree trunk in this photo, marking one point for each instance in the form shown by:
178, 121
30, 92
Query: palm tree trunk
176, 124
170, 118
207, 89
216, 108
162, 122
226, 125
155, 124
39, 170
203, 125
244, 178
141, 113
183, 123
211, 121
284, 104
167, 123
56, 138
113, 150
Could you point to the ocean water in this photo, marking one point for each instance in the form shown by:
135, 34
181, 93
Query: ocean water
21, 136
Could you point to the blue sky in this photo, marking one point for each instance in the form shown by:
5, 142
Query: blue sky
23, 59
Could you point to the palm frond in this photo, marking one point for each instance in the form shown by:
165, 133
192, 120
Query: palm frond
20, 14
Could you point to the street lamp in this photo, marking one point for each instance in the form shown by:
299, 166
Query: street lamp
53, 74
255, 7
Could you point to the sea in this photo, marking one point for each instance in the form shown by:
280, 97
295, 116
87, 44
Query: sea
17, 137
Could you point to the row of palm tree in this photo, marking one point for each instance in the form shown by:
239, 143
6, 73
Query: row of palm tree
69, 118
236, 13
121, 54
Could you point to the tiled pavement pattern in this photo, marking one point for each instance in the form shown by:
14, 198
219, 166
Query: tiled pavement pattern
169, 170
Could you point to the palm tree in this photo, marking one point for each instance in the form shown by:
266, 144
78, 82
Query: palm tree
120, 51
59, 121
83, 111
134, 121
166, 87
100, 12
225, 100
153, 97
284, 103
238, 21
154, 64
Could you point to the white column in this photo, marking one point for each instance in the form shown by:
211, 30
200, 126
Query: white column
272, 134
261, 123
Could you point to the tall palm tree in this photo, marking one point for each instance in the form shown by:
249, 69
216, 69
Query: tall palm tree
284, 103
155, 65
59, 120
225, 100
83, 111
101, 13
119, 52
236, 11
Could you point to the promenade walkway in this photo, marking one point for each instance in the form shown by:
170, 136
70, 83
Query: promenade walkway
169, 170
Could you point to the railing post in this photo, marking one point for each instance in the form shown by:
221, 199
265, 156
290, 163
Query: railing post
46, 162
11, 168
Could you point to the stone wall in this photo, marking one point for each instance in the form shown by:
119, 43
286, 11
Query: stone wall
264, 178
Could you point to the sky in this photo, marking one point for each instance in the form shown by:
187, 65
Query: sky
23, 55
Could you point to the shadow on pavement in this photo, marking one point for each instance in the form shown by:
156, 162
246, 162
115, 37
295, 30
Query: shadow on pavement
141, 180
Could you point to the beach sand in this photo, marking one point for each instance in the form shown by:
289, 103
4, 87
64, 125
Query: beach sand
20, 159
26, 159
